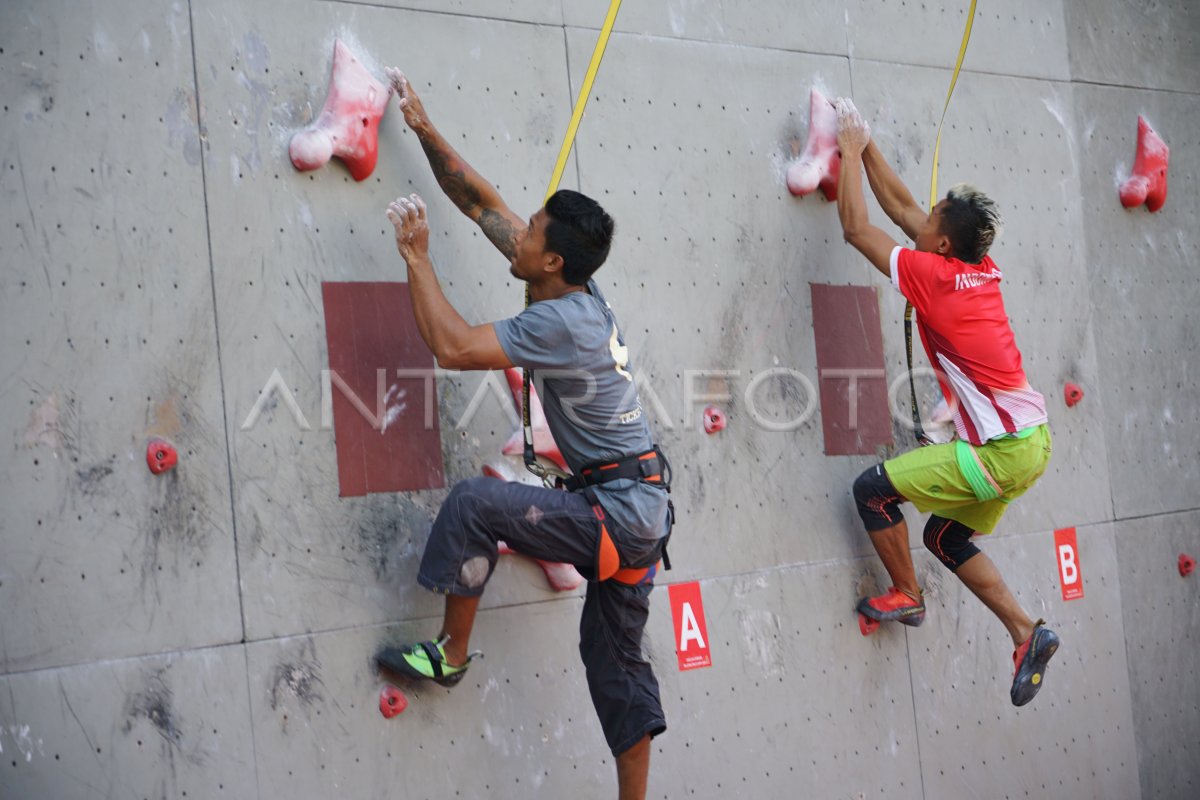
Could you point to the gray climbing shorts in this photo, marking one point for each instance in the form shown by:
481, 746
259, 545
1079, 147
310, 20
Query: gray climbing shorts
560, 527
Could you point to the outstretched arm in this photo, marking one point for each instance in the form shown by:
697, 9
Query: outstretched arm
465, 187
455, 343
875, 244
895, 198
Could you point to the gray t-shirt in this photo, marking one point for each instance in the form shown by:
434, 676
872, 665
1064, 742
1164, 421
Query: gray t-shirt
585, 379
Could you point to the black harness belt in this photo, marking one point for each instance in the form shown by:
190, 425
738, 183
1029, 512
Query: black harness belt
650, 467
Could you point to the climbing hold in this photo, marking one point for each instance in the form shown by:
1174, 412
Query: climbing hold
714, 420
348, 125
392, 702
161, 456
1148, 183
1186, 564
866, 625
561, 577
821, 161
1072, 393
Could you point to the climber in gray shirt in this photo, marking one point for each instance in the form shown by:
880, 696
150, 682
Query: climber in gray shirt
614, 518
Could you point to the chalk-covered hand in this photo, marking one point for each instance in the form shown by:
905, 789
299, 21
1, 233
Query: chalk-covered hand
407, 215
410, 104
853, 132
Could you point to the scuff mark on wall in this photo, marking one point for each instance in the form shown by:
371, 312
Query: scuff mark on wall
154, 703
296, 678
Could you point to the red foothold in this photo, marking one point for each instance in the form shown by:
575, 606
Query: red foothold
392, 702
1186, 564
160, 456
866, 625
714, 420
1072, 393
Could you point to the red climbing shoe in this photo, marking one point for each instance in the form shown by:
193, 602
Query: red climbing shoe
1029, 663
895, 605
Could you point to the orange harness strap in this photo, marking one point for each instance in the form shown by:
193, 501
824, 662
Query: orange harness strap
608, 560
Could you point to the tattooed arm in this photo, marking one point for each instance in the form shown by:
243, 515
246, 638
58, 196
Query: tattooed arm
465, 187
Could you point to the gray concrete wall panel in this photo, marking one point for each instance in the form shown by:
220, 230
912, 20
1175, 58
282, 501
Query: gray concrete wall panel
1142, 277
327, 562
519, 725
1019, 37
1152, 46
161, 726
545, 12
1014, 139
106, 319
805, 26
1076, 740
763, 715
1162, 628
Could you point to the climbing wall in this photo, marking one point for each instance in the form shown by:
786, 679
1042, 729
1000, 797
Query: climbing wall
208, 632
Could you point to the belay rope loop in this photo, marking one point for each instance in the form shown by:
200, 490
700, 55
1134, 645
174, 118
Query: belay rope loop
918, 429
531, 462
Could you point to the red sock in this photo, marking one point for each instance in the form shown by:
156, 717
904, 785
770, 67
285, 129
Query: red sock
348, 126
821, 161
1148, 183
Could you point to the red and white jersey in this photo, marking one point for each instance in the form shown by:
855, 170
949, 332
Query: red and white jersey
965, 330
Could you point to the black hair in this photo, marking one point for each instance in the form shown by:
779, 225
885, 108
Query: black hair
580, 231
970, 221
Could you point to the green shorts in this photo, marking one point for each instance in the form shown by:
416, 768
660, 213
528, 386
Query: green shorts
968, 484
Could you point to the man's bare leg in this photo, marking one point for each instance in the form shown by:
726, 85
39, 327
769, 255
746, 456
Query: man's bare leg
459, 620
980, 575
892, 546
633, 770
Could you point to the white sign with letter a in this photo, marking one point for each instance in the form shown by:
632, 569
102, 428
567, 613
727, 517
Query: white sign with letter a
691, 633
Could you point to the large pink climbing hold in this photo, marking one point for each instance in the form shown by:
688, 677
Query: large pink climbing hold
561, 577
1148, 183
821, 161
543, 441
348, 125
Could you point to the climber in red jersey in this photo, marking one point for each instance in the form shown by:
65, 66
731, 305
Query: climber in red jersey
1003, 442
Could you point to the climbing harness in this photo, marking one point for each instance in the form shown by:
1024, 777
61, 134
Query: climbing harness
531, 462
918, 430
649, 467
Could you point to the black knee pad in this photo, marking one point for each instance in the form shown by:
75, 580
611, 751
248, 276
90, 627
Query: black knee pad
877, 500
950, 541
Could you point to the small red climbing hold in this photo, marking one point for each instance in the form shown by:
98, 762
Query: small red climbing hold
392, 701
1186, 564
714, 420
1072, 393
160, 456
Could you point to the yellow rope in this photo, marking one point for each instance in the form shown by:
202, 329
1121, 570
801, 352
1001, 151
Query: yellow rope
937, 149
563, 152
937, 145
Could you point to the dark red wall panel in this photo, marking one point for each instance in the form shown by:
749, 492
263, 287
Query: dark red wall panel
370, 327
852, 380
